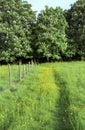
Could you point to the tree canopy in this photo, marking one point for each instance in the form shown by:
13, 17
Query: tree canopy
51, 36
50, 40
76, 31
15, 29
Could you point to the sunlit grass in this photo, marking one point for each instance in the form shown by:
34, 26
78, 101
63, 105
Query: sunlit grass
32, 105
50, 97
72, 76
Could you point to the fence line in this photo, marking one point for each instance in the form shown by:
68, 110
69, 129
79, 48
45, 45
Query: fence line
10, 74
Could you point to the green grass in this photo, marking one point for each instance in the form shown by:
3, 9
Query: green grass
70, 77
50, 97
14, 75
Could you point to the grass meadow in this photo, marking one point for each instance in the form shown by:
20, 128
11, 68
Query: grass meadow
51, 96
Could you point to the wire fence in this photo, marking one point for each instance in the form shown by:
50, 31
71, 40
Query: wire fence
12, 74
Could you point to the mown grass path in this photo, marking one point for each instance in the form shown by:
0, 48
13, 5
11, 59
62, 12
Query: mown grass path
67, 118
63, 104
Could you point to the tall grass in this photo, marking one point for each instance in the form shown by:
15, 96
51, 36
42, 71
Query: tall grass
50, 97
10, 75
31, 106
70, 78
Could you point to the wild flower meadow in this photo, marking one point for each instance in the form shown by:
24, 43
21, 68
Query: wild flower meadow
50, 97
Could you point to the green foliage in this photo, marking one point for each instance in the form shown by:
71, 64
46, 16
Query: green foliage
76, 31
49, 34
49, 37
15, 23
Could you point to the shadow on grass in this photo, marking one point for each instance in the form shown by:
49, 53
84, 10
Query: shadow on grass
66, 119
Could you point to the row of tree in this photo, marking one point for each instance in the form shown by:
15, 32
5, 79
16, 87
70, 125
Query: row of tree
54, 35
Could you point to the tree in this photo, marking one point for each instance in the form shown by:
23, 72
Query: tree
15, 29
76, 30
49, 34
27, 17
6, 33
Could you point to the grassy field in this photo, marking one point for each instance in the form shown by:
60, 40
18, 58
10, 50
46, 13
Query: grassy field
50, 97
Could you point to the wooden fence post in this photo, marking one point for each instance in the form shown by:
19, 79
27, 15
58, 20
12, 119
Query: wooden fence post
9, 71
23, 71
29, 66
20, 71
32, 63
26, 68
